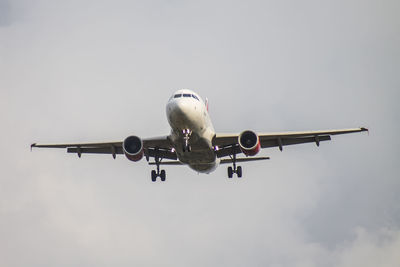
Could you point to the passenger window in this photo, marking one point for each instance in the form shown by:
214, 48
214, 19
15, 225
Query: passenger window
186, 95
178, 95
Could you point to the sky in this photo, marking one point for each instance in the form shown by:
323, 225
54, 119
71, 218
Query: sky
88, 71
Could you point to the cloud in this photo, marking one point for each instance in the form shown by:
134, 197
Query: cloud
5, 13
371, 249
83, 71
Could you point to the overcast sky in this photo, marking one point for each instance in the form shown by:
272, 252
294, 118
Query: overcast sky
79, 71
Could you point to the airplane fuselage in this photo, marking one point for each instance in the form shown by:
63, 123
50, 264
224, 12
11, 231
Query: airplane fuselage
188, 116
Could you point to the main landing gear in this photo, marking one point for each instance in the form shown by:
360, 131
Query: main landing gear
158, 173
237, 170
186, 135
155, 174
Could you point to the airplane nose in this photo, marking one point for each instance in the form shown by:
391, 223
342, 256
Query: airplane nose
182, 108
181, 114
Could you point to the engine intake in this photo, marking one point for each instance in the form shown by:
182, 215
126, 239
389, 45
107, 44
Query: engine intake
133, 148
249, 143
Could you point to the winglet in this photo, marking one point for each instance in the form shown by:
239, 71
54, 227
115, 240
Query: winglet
33, 145
363, 129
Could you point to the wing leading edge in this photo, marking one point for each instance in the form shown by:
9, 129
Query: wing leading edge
228, 143
151, 146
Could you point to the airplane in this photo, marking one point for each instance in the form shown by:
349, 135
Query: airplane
194, 142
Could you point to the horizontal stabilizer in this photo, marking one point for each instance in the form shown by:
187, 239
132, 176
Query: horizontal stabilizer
229, 161
223, 161
175, 162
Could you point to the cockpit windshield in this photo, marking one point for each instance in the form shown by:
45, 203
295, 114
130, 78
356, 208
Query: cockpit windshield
185, 95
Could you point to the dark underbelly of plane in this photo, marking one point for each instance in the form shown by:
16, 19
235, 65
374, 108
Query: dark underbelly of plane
204, 168
201, 158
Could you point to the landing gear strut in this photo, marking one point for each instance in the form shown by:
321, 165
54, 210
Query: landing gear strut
158, 173
186, 135
237, 170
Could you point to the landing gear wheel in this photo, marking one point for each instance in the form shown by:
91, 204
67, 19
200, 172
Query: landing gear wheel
157, 173
234, 169
230, 172
162, 175
239, 171
153, 176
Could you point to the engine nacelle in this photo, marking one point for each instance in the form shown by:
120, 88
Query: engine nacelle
249, 143
133, 148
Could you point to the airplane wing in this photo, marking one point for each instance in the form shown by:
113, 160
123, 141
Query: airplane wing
228, 143
160, 145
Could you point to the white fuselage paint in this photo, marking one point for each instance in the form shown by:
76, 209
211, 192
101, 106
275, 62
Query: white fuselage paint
187, 112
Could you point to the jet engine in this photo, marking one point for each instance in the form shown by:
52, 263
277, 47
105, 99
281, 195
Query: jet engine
133, 148
249, 143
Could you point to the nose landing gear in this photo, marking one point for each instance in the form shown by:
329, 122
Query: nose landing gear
186, 135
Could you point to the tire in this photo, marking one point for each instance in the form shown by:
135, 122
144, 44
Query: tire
163, 175
230, 172
153, 176
239, 171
